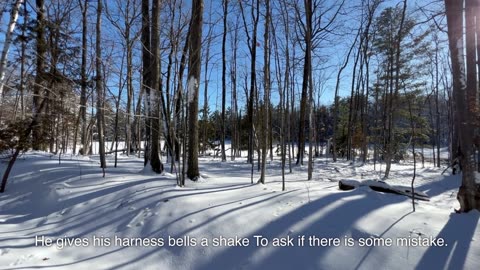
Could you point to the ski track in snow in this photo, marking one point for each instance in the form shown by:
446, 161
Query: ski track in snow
72, 201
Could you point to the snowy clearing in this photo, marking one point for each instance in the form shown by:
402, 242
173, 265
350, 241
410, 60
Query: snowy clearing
66, 216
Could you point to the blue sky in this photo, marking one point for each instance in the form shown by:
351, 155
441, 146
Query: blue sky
324, 75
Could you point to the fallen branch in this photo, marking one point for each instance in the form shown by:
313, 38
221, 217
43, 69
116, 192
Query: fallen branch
380, 186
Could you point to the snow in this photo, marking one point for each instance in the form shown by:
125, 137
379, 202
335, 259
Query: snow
192, 85
132, 219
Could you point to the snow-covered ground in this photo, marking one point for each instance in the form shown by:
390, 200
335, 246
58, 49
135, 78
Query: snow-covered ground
66, 216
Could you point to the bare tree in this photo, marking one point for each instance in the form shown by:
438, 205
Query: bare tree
155, 161
206, 74
40, 66
464, 86
224, 77
99, 85
307, 35
130, 13
82, 115
252, 47
194, 65
312, 31
266, 96
146, 75
235, 148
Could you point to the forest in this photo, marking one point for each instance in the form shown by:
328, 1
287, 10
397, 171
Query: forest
277, 95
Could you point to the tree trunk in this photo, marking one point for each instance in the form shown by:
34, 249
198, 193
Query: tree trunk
305, 81
205, 95
469, 192
83, 82
194, 65
235, 148
252, 45
266, 99
22, 67
224, 78
394, 95
155, 161
39, 78
146, 75
100, 91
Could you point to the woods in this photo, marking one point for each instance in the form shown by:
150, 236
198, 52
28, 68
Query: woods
370, 82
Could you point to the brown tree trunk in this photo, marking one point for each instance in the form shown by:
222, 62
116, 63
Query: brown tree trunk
266, 97
224, 78
394, 94
305, 81
469, 192
83, 82
146, 75
252, 45
194, 65
40, 59
100, 92
155, 161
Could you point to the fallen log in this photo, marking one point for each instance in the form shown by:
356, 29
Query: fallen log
381, 186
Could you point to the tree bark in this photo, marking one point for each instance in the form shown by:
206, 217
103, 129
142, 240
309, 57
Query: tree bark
469, 192
100, 91
155, 161
224, 78
266, 97
83, 81
146, 75
252, 45
39, 78
194, 64
305, 81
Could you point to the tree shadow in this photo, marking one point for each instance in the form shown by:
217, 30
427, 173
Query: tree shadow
458, 234
329, 225
381, 235
435, 188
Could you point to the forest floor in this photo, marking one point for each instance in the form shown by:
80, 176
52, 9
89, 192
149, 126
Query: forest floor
66, 216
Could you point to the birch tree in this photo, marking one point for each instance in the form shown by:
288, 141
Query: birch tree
8, 40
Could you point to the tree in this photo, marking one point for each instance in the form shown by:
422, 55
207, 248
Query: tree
8, 41
235, 147
336, 99
155, 161
392, 28
40, 66
307, 71
146, 74
312, 31
266, 98
130, 14
193, 84
100, 92
82, 115
464, 86
224, 76
252, 47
